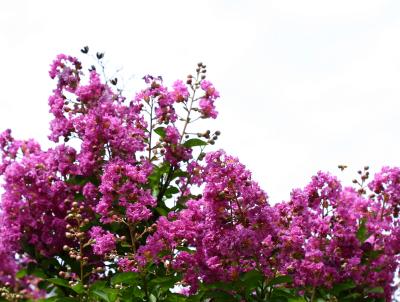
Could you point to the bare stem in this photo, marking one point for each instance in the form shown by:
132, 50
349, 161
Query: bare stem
151, 127
132, 236
189, 110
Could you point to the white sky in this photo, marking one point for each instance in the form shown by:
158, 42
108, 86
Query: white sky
305, 85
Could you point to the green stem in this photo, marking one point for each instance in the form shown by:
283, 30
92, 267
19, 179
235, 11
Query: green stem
164, 186
133, 237
313, 294
145, 289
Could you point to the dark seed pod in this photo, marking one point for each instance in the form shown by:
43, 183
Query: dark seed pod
85, 49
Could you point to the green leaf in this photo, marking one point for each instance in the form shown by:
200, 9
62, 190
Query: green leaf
372, 255
338, 288
278, 299
375, 290
352, 297
130, 278
252, 279
106, 294
280, 280
362, 232
297, 299
156, 175
60, 282
100, 284
180, 173
195, 298
220, 296
162, 211
77, 180
160, 131
283, 292
21, 273
78, 288
166, 282
176, 298
171, 191
38, 272
194, 142
132, 291
100, 294
227, 286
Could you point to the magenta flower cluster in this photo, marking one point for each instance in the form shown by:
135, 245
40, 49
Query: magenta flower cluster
317, 237
120, 192
104, 241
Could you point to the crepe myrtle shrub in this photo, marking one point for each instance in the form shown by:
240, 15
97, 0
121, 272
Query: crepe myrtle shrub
112, 212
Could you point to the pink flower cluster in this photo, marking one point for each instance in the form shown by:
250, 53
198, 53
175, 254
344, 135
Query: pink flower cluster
174, 151
104, 240
207, 102
109, 195
33, 204
221, 235
105, 179
331, 234
124, 181
324, 235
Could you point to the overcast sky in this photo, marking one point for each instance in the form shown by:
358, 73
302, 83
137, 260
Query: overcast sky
305, 85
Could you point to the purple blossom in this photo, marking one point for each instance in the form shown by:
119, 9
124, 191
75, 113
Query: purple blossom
104, 240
